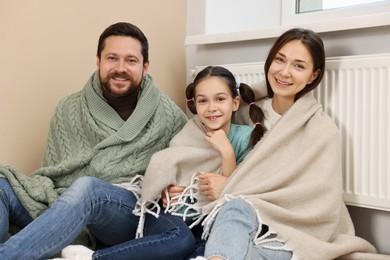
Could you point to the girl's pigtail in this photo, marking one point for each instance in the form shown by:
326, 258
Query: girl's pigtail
255, 113
190, 98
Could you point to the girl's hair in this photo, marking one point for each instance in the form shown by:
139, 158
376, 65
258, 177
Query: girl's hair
246, 92
313, 44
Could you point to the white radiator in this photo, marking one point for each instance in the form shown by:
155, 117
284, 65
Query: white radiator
355, 92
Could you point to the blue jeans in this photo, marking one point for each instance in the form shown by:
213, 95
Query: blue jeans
166, 237
200, 243
106, 210
233, 232
11, 210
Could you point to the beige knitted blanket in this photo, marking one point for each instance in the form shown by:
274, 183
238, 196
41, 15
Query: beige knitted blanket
292, 178
188, 155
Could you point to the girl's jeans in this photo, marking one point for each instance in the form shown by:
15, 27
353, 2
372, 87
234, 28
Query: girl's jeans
233, 232
107, 212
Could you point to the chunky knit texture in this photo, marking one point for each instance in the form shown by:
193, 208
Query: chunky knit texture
88, 138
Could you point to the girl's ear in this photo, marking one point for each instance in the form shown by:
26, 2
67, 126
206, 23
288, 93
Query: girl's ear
236, 103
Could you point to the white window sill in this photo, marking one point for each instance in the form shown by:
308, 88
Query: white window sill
349, 23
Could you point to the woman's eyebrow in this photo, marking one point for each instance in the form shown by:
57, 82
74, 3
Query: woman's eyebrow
297, 60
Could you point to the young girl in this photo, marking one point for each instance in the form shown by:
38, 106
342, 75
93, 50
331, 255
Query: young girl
214, 97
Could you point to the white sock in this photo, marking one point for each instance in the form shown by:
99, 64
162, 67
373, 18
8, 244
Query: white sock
77, 252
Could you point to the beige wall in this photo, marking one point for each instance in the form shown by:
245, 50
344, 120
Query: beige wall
47, 50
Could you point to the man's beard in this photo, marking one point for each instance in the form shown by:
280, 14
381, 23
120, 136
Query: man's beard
105, 83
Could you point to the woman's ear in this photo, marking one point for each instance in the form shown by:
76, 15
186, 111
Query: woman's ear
314, 76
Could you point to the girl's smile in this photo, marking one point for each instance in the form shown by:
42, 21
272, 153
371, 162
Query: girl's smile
214, 104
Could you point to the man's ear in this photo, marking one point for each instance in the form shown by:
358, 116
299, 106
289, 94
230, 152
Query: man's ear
146, 67
97, 62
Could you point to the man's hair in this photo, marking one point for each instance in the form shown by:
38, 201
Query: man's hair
127, 30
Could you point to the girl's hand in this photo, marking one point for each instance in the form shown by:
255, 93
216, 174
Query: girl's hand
172, 192
219, 140
211, 185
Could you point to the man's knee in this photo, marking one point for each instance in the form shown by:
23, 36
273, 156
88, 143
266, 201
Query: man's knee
6, 191
86, 182
82, 189
4, 184
93, 189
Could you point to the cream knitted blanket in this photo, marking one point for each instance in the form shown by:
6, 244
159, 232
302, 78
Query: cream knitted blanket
188, 155
292, 178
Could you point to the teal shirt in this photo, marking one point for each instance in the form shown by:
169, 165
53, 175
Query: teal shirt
239, 136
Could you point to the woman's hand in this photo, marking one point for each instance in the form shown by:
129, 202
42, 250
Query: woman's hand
211, 184
172, 192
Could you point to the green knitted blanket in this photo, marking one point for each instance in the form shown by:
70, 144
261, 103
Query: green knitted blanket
88, 138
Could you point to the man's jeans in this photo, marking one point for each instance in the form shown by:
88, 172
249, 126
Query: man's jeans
233, 232
107, 212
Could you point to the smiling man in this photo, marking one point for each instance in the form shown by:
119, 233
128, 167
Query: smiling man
122, 64
100, 140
